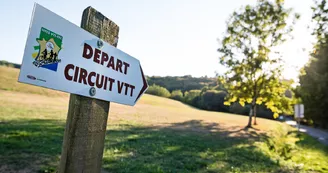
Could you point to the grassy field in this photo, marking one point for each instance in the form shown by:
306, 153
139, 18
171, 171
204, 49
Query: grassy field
157, 135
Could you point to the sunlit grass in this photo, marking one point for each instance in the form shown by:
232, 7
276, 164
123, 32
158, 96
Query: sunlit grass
8, 82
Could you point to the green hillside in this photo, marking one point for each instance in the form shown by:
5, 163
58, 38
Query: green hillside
9, 78
156, 135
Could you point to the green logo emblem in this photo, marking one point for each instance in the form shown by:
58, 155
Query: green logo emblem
47, 52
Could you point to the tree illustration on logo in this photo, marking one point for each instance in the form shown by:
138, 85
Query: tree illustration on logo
48, 49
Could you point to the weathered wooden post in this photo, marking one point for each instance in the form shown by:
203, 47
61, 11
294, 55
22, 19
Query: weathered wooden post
86, 123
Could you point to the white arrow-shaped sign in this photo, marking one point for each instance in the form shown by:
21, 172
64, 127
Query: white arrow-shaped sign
62, 56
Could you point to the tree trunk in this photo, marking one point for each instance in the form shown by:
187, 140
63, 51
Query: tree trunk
254, 114
250, 118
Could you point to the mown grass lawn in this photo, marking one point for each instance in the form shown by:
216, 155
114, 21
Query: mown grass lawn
157, 135
31, 139
143, 149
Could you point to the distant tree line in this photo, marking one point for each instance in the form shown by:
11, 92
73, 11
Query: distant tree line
9, 64
183, 83
203, 93
210, 98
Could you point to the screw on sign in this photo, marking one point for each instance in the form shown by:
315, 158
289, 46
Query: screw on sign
92, 91
100, 43
91, 69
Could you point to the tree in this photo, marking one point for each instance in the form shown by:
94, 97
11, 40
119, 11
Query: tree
158, 91
177, 95
314, 76
249, 51
213, 100
192, 97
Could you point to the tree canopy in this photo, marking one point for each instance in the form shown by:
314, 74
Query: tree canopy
249, 50
313, 88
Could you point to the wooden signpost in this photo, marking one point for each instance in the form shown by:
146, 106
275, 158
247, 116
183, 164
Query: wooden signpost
61, 56
86, 122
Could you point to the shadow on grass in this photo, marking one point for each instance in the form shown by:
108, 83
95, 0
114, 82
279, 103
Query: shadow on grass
29, 144
191, 146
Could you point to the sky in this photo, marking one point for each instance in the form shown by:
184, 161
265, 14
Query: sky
169, 37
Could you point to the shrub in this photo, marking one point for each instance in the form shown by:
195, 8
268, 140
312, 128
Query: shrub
236, 108
261, 110
264, 112
282, 142
192, 97
158, 91
177, 95
213, 100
